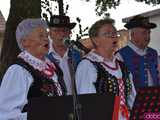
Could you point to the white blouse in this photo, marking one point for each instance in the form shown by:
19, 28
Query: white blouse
63, 64
86, 75
15, 86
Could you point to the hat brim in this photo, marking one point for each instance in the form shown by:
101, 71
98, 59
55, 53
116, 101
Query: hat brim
70, 25
135, 24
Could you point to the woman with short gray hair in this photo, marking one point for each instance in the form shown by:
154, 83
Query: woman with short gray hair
32, 75
100, 72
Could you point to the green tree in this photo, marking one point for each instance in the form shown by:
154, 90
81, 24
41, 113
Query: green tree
19, 10
103, 5
48, 8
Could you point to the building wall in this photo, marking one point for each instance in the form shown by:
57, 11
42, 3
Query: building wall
155, 34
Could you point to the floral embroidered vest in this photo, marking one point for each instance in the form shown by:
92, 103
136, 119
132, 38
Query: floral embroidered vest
107, 83
42, 85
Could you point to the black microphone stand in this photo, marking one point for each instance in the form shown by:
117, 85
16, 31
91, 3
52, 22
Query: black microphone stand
76, 105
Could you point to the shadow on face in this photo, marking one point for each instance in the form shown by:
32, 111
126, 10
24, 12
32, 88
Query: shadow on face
107, 38
59, 33
140, 37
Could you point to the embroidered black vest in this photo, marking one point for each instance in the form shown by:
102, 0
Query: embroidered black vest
107, 83
42, 85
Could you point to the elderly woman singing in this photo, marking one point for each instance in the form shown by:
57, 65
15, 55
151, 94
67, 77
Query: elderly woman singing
100, 72
32, 75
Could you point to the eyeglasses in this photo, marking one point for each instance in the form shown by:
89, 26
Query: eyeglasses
110, 35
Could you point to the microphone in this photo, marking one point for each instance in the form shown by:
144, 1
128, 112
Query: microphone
76, 45
67, 42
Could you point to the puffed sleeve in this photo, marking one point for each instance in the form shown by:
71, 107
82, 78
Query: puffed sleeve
13, 93
86, 76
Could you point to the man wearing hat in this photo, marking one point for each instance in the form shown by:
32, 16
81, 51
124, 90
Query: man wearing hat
60, 30
141, 60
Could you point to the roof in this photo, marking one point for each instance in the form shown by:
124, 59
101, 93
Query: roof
145, 14
2, 22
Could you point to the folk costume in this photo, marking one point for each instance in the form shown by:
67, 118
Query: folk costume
62, 21
142, 63
96, 75
28, 77
63, 63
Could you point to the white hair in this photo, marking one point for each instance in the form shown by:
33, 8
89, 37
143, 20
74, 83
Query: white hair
26, 26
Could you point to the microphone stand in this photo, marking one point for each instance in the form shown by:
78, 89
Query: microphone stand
76, 105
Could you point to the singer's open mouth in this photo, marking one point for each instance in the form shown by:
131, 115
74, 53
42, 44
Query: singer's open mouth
114, 43
46, 45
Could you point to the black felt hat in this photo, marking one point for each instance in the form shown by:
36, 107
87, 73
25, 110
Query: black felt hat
61, 21
140, 21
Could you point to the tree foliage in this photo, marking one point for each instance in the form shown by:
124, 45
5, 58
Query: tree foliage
149, 2
63, 10
48, 9
103, 5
